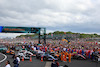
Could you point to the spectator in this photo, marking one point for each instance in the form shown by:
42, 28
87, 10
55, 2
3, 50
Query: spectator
13, 55
18, 60
7, 64
15, 62
53, 64
57, 63
65, 66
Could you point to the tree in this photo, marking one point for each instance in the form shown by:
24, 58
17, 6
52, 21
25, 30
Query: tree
69, 32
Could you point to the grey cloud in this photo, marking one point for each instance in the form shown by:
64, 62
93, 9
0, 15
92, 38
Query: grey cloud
66, 15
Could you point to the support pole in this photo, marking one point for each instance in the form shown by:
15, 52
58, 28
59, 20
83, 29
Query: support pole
39, 37
44, 35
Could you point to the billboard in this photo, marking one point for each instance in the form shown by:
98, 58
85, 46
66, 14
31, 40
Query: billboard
6, 29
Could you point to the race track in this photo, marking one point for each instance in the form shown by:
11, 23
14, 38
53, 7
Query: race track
37, 63
3, 57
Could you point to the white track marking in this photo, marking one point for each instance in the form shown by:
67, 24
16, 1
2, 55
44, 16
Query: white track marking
4, 58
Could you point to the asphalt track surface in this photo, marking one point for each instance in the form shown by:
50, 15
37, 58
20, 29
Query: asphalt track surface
37, 63
1, 57
26, 63
81, 63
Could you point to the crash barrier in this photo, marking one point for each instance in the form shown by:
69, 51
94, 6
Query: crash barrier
22, 58
41, 58
30, 59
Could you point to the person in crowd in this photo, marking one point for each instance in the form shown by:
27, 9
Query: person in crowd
57, 63
54, 64
65, 66
15, 62
95, 55
13, 55
18, 60
8, 63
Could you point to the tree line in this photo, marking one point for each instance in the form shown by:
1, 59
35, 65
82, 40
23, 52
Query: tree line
81, 35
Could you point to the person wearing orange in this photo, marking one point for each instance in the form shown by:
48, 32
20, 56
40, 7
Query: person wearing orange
8, 51
61, 56
51, 51
69, 57
65, 56
65, 53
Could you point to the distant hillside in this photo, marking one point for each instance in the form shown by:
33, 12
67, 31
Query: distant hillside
68, 34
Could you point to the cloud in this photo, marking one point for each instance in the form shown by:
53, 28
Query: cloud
65, 15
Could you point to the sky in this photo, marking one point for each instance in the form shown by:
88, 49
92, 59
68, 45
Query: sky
81, 16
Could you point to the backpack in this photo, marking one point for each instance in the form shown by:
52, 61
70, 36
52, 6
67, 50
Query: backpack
15, 61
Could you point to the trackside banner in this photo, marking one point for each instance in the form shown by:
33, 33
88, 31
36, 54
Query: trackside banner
7, 29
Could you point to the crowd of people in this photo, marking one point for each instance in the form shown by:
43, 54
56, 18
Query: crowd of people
15, 62
80, 46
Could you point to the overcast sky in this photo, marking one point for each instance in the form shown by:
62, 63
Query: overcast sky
64, 15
